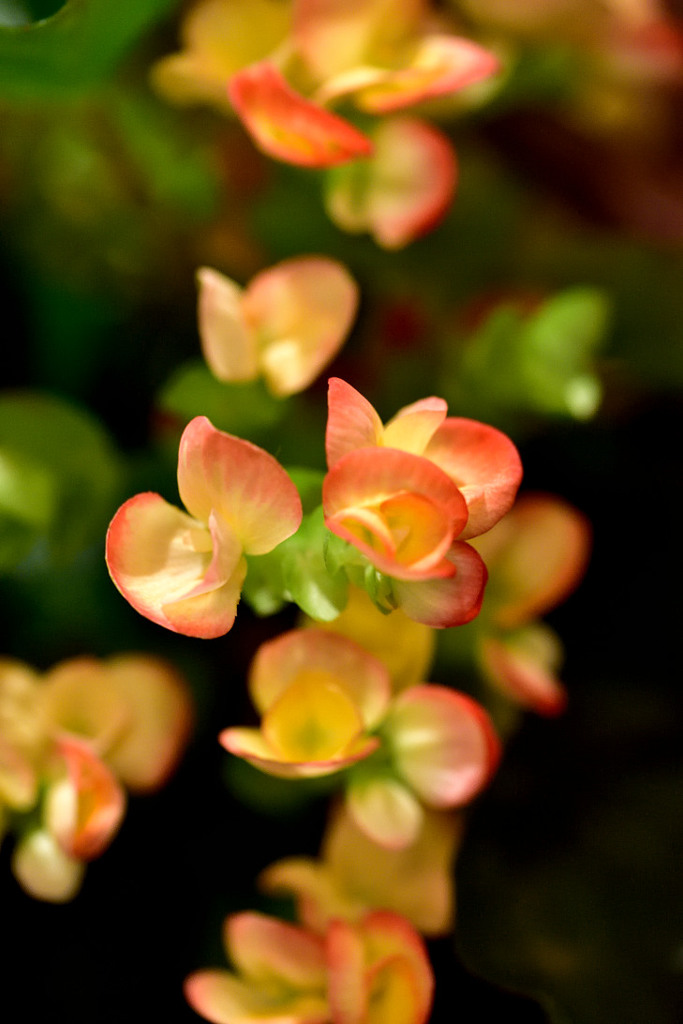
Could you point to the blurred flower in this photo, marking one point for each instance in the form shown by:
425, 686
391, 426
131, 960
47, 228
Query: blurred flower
355, 874
405, 647
325, 705
399, 192
185, 572
407, 494
286, 325
374, 972
68, 741
536, 556
383, 55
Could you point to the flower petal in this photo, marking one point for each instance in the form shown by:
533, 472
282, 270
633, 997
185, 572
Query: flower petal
280, 661
264, 948
386, 810
443, 743
228, 342
522, 666
157, 556
245, 486
402, 191
254, 748
351, 421
223, 998
44, 870
347, 987
80, 700
412, 427
388, 935
483, 463
439, 65
83, 811
446, 602
289, 127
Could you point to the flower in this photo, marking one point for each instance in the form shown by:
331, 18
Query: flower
354, 874
407, 494
287, 324
69, 741
326, 705
373, 972
399, 192
320, 695
537, 555
185, 571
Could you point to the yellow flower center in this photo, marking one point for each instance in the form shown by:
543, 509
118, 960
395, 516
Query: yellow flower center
313, 720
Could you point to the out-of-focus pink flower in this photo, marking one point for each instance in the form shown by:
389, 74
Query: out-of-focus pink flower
320, 696
373, 972
286, 325
402, 190
536, 555
355, 874
184, 570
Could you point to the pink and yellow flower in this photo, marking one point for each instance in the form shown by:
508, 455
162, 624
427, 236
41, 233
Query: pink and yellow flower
69, 742
286, 325
402, 190
282, 72
373, 972
537, 555
326, 705
184, 570
355, 874
408, 494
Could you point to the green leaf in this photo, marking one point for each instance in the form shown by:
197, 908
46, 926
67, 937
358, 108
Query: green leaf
70, 472
27, 506
318, 592
76, 48
241, 409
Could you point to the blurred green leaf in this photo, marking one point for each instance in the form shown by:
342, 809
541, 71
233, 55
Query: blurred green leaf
241, 409
69, 471
77, 47
27, 506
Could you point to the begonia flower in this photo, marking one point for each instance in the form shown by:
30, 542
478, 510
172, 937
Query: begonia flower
320, 695
69, 741
354, 874
373, 972
537, 555
286, 325
402, 190
184, 570
405, 647
325, 705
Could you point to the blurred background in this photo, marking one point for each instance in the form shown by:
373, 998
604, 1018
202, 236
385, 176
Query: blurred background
548, 302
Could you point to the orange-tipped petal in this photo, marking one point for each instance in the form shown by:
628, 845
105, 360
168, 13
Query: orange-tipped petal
160, 718
398, 509
443, 743
264, 948
223, 998
347, 988
279, 662
389, 937
385, 810
254, 748
446, 602
289, 127
403, 190
228, 343
44, 870
81, 700
438, 66
539, 555
301, 311
484, 464
245, 486
352, 421
163, 563
523, 667
84, 810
